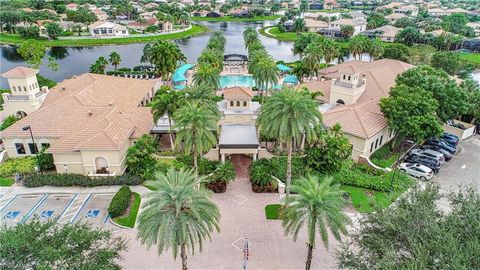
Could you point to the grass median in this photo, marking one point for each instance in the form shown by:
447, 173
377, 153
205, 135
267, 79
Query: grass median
16, 39
129, 219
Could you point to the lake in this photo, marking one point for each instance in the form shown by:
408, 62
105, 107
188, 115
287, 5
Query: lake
77, 60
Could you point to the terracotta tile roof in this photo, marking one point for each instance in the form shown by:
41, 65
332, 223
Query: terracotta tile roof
362, 120
19, 72
238, 93
90, 111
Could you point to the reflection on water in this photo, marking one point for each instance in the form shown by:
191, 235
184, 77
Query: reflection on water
76, 60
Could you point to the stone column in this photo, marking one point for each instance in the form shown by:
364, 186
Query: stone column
223, 158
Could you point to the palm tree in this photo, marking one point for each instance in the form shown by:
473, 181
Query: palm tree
196, 126
164, 55
347, 31
313, 58
317, 205
375, 49
211, 57
99, 66
207, 75
250, 35
204, 96
299, 26
166, 102
356, 47
265, 73
288, 115
177, 215
330, 51
114, 59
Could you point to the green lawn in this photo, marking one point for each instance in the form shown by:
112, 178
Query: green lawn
6, 182
129, 220
233, 19
384, 158
276, 34
16, 39
272, 211
471, 57
365, 200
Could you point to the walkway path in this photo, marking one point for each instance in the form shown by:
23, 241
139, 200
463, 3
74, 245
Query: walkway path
242, 214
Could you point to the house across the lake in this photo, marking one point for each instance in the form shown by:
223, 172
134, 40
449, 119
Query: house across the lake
87, 122
105, 29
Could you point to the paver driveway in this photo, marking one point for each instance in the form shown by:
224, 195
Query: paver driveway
242, 213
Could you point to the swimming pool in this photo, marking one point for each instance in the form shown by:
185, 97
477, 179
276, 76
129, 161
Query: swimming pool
236, 80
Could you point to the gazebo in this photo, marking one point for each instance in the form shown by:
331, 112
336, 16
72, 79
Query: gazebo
235, 63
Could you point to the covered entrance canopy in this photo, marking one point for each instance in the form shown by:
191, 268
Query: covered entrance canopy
238, 139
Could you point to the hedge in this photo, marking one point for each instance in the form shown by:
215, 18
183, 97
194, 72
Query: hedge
71, 179
357, 177
120, 202
11, 166
261, 170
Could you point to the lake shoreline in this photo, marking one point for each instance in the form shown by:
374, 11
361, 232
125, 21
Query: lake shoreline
7, 39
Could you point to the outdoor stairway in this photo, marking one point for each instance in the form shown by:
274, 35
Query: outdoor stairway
74, 208
5, 200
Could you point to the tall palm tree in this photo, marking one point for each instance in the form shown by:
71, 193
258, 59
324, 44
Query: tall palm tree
166, 102
375, 49
313, 58
164, 55
265, 73
196, 128
356, 47
288, 115
207, 75
330, 51
211, 57
317, 205
99, 66
114, 59
203, 95
177, 215
250, 36
299, 26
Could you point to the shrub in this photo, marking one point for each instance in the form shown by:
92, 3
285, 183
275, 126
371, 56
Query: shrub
71, 179
261, 172
279, 167
379, 181
273, 211
206, 167
120, 202
11, 166
225, 172
8, 121
45, 160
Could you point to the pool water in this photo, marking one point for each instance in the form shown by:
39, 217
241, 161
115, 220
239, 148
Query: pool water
236, 80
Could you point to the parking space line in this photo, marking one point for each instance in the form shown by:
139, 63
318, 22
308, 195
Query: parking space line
106, 218
9, 201
34, 208
79, 209
68, 206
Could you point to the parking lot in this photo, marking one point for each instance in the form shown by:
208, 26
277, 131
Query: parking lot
65, 207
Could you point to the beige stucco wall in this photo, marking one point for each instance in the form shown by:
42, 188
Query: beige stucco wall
237, 119
10, 145
71, 162
237, 104
213, 154
24, 86
11, 107
365, 147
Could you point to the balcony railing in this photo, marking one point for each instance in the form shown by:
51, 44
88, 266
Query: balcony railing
349, 85
23, 97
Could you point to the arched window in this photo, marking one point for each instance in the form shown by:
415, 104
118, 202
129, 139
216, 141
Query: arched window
238, 103
340, 102
231, 103
25, 89
244, 104
101, 165
14, 88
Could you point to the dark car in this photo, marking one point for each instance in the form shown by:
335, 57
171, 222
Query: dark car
449, 140
431, 163
450, 135
445, 153
442, 144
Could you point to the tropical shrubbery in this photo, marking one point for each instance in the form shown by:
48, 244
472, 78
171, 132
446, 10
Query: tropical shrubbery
71, 179
120, 202
17, 165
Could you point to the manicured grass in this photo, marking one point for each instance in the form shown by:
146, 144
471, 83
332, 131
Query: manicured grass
233, 19
129, 220
16, 39
6, 182
276, 34
471, 57
272, 211
384, 158
365, 200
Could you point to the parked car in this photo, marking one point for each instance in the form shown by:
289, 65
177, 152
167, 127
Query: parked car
428, 153
449, 141
451, 136
433, 164
417, 170
442, 144
445, 153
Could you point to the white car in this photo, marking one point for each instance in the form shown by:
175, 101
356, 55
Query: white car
417, 170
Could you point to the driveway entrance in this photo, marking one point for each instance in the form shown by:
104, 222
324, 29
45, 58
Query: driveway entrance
241, 163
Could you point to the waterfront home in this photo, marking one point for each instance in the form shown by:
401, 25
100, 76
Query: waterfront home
386, 33
107, 29
351, 93
315, 25
88, 122
359, 25
101, 15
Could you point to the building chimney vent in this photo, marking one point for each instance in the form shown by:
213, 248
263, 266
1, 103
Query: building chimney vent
64, 88
90, 113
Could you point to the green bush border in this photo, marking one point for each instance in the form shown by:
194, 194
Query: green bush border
128, 220
120, 202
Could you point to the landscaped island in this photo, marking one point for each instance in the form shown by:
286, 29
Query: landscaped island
194, 30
